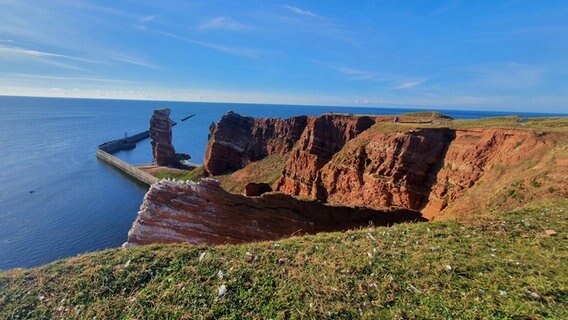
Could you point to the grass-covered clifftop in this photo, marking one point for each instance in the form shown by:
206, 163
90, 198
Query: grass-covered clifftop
498, 266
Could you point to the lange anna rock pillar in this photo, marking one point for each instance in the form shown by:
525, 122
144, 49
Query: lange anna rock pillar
161, 134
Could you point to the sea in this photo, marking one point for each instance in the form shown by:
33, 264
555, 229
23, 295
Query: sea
58, 200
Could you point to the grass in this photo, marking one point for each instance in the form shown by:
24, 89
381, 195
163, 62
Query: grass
267, 170
483, 269
553, 124
193, 175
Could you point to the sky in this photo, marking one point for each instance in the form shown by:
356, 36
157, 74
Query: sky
502, 55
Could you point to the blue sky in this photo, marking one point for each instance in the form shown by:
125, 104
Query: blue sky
483, 54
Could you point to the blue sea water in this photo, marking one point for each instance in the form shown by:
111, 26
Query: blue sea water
57, 200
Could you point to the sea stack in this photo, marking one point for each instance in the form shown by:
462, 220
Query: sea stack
163, 151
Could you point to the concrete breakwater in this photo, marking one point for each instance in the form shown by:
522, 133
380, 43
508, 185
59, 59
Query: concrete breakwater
128, 169
127, 143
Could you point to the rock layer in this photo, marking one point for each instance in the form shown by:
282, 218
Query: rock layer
203, 213
368, 161
235, 140
323, 137
163, 151
385, 169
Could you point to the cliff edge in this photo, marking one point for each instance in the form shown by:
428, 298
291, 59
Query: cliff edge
436, 165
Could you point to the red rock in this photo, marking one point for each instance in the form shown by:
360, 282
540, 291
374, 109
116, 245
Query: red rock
203, 213
236, 140
322, 138
254, 189
337, 160
163, 151
386, 168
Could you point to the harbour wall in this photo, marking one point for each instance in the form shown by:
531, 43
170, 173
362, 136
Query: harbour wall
126, 168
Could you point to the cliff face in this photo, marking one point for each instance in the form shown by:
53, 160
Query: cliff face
364, 161
163, 151
490, 159
323, 137
203, 213
422, 169
385, 169
235, 140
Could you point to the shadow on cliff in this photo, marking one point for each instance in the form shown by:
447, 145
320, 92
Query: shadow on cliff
449, 135
204, 213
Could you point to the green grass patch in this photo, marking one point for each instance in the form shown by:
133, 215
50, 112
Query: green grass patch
504, 267
193, 175
267, 170
557, 124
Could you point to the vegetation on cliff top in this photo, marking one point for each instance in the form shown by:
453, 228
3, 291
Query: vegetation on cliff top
504, 266
556, 124
267, 170
191, 175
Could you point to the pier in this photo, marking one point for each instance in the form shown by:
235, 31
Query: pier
106, 150
128, 169
127, 143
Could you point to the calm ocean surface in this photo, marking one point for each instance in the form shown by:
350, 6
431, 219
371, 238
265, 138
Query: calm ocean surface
57, 200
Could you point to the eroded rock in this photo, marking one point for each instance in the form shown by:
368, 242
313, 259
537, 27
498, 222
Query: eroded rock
236, 140
203, 213
163, 151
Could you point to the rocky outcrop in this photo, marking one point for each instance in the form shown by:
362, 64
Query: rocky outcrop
423, 169
235, 141
485, 157
256, 189
385, 168
323, 137
368, 161
203, 213
163, 151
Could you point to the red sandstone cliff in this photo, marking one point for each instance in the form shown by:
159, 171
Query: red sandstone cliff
384, 169
161, 134
340, 160
323, 137
422, 169
203, 213
235, 140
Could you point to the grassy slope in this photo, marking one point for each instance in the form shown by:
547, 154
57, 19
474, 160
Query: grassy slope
372, 273
192, 175
267, 170
558, 124
502, 187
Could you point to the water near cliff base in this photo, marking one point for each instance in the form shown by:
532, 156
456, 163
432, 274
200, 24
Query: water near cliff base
57, 200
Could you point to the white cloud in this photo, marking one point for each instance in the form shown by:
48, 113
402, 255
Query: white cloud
132, 60
148, 18
301, 12
356, 74
19, 52
409, 84
226, 23
73, 79
507, 75
242, 52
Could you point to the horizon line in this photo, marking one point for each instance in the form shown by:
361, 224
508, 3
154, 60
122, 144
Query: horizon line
408, 107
